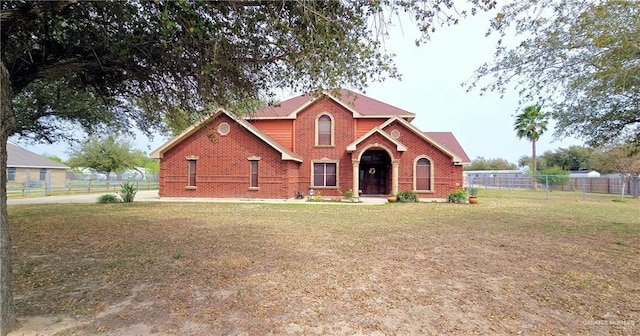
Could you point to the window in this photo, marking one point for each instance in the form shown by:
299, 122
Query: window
224, 128
423, 174
192, 172
325, 131
43, 174
254, 175
324, 174
11, 174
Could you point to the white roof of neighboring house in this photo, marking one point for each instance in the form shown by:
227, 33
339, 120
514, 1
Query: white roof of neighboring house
21, 158
515, 171
585, 173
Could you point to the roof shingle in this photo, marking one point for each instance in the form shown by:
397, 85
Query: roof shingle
365, 106
448, 140
21, 158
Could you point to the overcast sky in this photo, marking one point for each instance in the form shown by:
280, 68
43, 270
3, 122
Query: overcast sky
430, 88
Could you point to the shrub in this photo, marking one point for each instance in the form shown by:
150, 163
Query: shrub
128, 192
458, 196
317, 197
473, 191
407, 196
108, 198
348, 195
553, 177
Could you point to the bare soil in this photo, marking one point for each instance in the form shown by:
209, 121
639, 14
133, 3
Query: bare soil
517, 267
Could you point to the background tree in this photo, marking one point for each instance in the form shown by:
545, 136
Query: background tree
104, 66
152, 166
623, 160
554, 176
481, 163
580, 58
104, 154
572, 158
53, 157
530, 124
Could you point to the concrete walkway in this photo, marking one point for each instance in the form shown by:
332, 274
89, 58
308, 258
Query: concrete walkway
152, 196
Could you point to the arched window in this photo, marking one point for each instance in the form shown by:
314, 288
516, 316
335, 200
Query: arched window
423, 174
325, 131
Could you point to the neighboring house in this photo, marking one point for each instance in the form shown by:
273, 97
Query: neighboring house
584, 173
326, 143
497, 178
24, 167
494, 173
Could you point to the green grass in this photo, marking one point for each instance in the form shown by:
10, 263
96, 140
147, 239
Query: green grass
396, 268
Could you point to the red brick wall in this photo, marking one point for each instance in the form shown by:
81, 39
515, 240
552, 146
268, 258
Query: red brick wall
222, 166
223, 169
447, 176
305, 145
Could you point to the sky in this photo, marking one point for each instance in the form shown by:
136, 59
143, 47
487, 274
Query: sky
430, 88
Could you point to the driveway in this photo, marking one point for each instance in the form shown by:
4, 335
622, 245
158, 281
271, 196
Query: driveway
142, 195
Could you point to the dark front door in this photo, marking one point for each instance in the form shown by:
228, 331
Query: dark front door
374, 172
373, 179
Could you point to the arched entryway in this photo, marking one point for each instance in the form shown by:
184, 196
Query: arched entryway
374, 174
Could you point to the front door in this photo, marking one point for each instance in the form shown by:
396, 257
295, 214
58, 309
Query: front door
373, 179
374, 172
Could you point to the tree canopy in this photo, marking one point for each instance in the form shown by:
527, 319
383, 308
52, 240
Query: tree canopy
480, 163
624, 160
97, 64
531, 123
581, 59
104, 154
572, 158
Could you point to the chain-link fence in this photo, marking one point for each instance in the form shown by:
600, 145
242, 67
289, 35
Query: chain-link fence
67, 183
547, 184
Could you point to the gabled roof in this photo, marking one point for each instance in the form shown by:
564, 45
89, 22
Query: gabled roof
353, 146
360, 105
457, 157
286, 153
448, 140
21, 158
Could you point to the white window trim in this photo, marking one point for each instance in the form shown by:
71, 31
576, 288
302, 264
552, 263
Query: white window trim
220, 125
431, 170
325, 160
333, 130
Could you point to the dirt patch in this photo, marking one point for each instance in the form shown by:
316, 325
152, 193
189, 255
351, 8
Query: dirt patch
193, 269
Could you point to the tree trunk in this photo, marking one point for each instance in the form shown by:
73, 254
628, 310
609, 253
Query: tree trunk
534, 168
7, 124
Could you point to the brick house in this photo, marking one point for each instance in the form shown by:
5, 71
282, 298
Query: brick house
331, 142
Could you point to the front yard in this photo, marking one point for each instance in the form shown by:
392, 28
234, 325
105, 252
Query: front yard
505, 266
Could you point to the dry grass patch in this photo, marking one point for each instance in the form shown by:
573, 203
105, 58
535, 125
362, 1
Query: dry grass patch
505, 266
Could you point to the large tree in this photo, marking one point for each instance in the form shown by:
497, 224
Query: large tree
102, 65
104, 154
581, 59
531, 123
623, 160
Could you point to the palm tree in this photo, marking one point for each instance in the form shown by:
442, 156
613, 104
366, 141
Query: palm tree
530, 124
